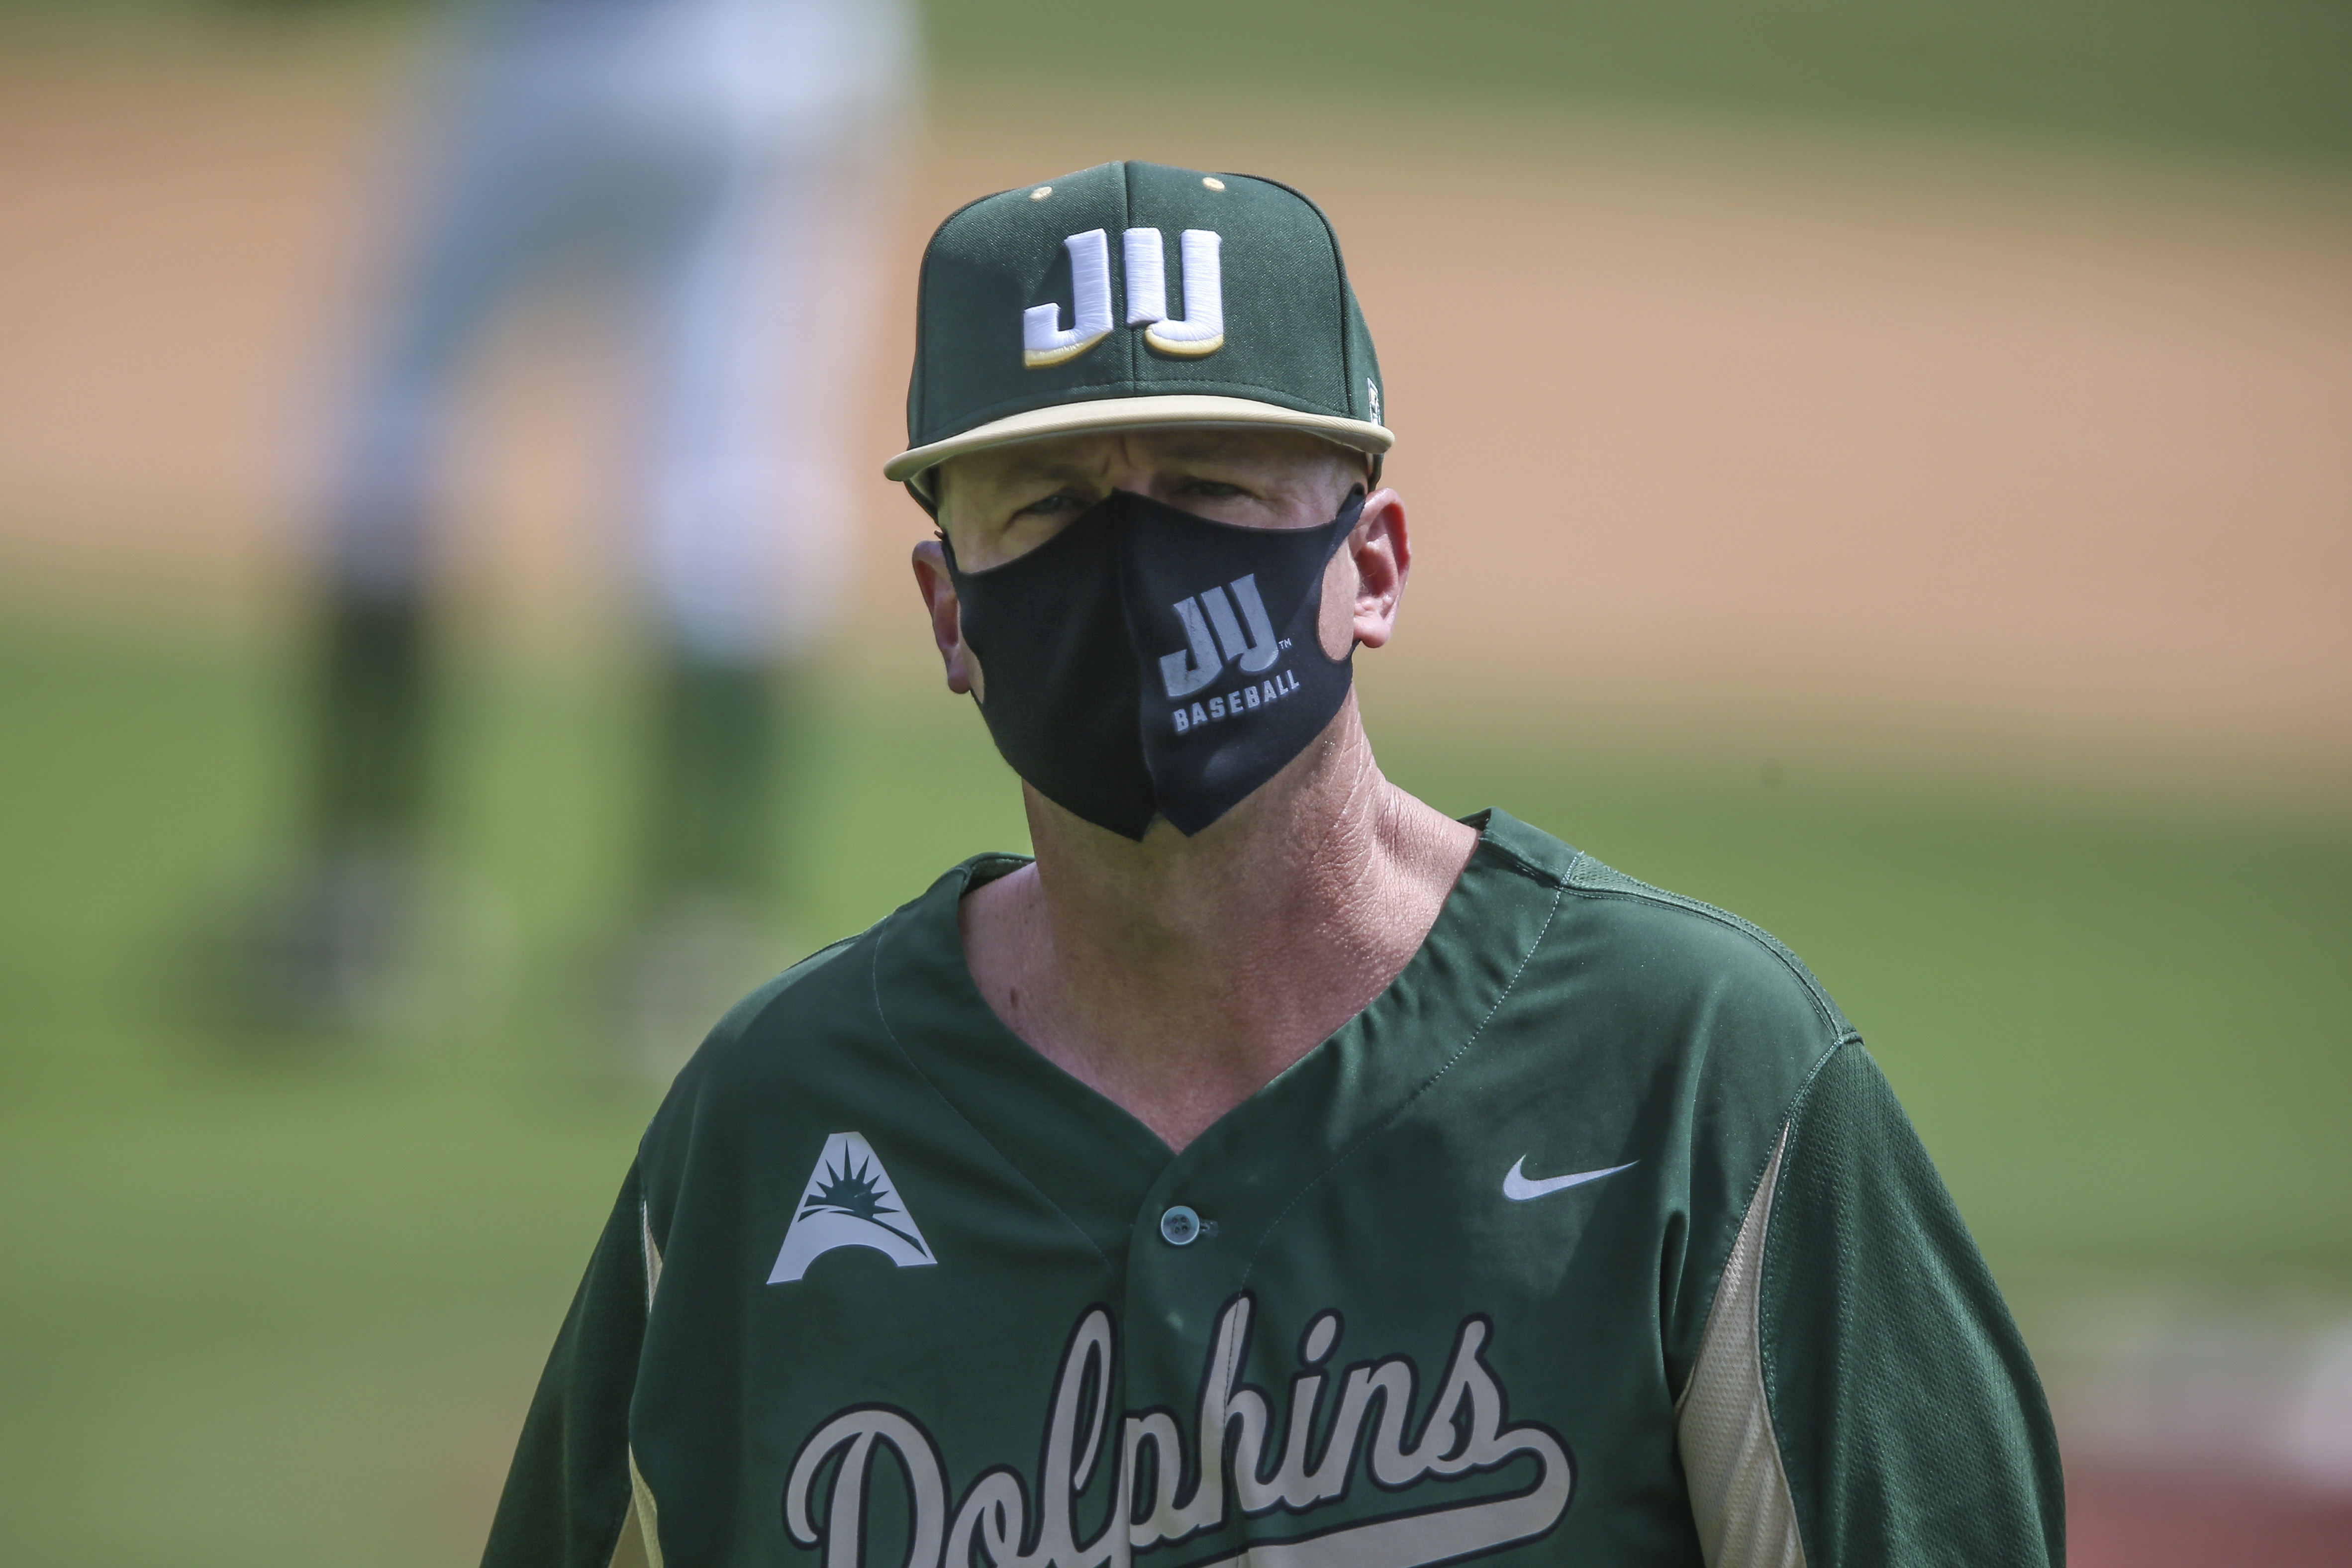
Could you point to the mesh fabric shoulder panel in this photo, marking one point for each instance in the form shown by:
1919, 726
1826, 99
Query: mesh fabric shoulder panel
1739, 1489
569, 1493
1910, 1422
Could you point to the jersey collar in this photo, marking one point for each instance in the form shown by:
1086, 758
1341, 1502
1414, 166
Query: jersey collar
1110, 1176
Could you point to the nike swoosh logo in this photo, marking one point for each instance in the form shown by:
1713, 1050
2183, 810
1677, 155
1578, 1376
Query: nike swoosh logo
1519, 1189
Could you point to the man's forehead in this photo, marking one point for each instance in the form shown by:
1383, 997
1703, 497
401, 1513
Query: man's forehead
1076, 456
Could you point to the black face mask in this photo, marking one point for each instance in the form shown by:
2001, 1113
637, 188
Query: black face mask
1145, 662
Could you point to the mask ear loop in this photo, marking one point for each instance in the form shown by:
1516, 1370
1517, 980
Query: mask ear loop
931, 510
1351, 512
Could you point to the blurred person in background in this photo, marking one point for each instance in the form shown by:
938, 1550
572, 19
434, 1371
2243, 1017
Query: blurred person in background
717, 169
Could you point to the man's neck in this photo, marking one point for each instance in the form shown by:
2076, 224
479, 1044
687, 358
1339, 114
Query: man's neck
1178, 975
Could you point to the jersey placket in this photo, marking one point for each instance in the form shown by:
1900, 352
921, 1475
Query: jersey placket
1184, 1234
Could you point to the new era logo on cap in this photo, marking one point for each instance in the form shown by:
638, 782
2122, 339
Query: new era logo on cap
1231, 291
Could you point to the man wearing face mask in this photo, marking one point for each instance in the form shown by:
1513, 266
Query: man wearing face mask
1272, 1170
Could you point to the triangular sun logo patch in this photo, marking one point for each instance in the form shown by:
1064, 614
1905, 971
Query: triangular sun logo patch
849, 1201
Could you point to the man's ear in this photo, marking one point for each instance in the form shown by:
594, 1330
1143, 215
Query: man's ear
946, 612
1366, 579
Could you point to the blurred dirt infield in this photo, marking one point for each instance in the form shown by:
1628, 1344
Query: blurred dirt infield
2150, 1522
1703, 432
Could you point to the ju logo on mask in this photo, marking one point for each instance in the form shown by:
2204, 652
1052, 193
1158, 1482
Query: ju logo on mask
1044, 341
1193, 667
1085, 700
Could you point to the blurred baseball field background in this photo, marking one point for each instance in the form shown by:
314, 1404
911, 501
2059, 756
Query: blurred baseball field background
1885, 469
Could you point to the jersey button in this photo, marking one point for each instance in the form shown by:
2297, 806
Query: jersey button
1179, 1226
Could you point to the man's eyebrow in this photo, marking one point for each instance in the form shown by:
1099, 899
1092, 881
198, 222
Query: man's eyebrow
1032, 470
1212, 446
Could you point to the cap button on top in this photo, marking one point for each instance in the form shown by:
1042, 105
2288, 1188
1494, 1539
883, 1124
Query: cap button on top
1179, 1226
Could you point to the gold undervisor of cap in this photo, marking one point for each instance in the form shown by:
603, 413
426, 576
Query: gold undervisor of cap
1139, 414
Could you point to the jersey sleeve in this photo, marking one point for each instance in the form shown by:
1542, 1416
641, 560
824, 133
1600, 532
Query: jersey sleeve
572, 1499
1861, 1394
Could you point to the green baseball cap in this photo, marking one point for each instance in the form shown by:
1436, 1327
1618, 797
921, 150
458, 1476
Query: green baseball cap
1136, 295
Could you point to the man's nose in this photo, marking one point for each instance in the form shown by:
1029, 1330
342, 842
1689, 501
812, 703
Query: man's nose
1126, 469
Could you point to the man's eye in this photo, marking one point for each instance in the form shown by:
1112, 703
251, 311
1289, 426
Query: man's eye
1213, 489
1053, 505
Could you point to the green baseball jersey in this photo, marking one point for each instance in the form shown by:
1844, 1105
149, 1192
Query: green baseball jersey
1597, 1238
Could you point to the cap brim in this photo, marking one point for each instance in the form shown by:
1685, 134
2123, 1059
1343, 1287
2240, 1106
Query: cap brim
1139, 414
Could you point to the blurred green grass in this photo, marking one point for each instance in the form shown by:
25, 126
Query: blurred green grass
267, 1309
2264, 78
2258, 78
